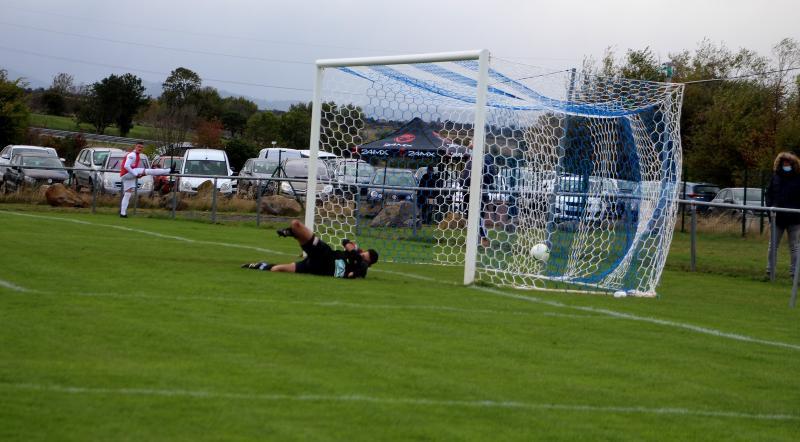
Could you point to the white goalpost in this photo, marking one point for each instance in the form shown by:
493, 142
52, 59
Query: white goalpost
526, 178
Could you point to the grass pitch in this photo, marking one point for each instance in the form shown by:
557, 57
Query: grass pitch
147, 329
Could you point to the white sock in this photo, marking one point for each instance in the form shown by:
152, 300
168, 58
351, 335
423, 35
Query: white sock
126, 198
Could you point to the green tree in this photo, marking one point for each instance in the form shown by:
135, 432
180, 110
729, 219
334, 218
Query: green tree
14, 113
113, 100
239, 151
131, 98
180, 88
177, 110
209, 103
296, 126
263, 128
235, 113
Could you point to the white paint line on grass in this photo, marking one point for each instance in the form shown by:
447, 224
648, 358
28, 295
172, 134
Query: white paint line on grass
358, 398
147, 232
14, 287
690, 327
331, 304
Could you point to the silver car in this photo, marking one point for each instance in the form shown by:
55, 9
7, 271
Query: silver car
87, 164
9, 151
110, 181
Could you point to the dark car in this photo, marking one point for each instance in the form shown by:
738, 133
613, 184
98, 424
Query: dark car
378, 192
163, 183
33, 170
255, 168
698, 192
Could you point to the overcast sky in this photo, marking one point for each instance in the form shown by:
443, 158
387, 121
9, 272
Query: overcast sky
242, 46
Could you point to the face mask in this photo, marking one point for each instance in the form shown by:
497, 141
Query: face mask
787, 168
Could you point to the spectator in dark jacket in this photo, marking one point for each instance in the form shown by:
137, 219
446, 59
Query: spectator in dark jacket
429, 180
784, 191
488, 180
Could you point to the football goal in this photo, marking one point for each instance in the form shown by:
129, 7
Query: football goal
525, 177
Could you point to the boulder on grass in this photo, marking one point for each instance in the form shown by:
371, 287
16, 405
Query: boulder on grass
278, 205
453, 220
395, 215
59, 195
165, 202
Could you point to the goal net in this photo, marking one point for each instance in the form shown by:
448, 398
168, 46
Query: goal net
581, 167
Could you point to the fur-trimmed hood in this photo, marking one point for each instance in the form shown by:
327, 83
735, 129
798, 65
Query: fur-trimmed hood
787, 156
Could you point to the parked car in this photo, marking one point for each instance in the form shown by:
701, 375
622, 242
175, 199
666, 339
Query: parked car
298, 169
255, 168
87, 163
9, 151
21, 171
163, 183
583, 198
278, 154
349, 172
110, 181
391, 177
698, 192
736, 195
207, 162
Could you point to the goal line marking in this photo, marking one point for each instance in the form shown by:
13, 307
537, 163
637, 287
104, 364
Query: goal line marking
358, 398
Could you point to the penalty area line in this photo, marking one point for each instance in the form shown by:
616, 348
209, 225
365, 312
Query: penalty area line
392, 401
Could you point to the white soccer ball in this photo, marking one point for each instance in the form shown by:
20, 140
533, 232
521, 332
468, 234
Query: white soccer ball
620, 294
540, 252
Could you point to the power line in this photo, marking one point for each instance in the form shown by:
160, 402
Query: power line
130, 69
186, 32
147, 45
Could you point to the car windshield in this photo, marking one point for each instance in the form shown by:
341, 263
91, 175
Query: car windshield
299, 169
100, 157
394, 178
707, 189
115, 163
363, 169
206, 167
753, 195
22, 150
264, 166
41, 162
166, 163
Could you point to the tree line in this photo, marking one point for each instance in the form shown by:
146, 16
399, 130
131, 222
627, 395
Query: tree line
728, 127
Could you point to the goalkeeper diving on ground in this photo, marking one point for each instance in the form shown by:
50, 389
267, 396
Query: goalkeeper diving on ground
321, 259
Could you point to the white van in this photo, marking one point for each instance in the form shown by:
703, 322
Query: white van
278, 154
324, 156
209, 163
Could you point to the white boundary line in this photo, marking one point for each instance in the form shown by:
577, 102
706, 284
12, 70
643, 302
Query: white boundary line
204, 394
495, 292
332, 304
14, 287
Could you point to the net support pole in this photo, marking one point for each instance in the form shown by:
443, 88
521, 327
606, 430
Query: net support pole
313, 147
476, 173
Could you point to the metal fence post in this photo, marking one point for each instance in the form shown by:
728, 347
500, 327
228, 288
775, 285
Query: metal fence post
94, 192
135, 194
214, 202
773, 249
744, 202
793, 299
258, 203
693, 263
174, 197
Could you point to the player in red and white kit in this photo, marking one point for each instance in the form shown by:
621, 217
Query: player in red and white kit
130, 171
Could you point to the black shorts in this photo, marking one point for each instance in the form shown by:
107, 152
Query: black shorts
320, 259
